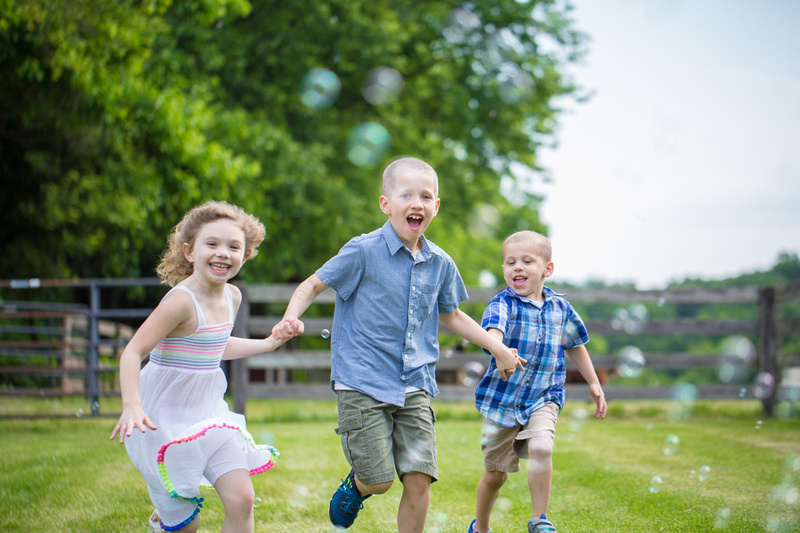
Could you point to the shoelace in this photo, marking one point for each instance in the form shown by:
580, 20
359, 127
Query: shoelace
350, 501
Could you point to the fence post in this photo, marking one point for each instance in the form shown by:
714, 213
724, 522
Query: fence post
94, 341
238, 367
767, 347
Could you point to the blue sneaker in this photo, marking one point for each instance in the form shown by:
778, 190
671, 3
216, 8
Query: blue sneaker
471, 528
541, 525
346, 503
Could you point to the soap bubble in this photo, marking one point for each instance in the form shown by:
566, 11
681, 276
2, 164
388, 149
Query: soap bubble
383, 86
325, 333
655, 484
472, 373
632, 319
704, 473
759, 423
320, 88
489, 434
631, 362
723, 518
367, 144
462, 24
486, 280
257, 502
268, 438
482, 221
300, 496
515, 86
764, 385
737, 354
684, 393
671, 445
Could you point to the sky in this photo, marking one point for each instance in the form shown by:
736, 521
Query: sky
685, 162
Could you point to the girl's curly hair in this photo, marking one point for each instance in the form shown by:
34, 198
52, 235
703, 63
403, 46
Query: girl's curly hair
174, 267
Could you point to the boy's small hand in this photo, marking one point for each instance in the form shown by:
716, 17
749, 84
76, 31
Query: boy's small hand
599, 399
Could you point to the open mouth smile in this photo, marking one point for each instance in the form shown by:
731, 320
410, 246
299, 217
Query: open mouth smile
414, 221
219, 267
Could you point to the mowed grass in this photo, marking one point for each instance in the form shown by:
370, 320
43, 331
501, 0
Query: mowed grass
63, 474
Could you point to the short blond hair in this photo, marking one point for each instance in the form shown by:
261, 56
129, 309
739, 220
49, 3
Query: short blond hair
536, 240
174, 267
406, 164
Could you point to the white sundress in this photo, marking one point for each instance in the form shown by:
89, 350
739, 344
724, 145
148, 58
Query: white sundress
182, 390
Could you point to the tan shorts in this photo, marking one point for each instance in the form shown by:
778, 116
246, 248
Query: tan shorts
503, 447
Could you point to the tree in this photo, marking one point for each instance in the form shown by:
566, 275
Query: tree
118, 116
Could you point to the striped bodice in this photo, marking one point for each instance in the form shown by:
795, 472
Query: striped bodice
201, 350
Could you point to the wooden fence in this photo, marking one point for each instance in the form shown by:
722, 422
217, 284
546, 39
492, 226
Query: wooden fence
77, 344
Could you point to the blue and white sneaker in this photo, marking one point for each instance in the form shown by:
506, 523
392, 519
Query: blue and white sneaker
346, 503
471, 528
541, 525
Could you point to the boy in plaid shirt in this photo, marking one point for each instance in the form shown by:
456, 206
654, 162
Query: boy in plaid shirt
520, 414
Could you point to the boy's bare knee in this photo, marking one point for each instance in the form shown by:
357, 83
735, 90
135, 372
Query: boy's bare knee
494, 478
378, 488
540, 449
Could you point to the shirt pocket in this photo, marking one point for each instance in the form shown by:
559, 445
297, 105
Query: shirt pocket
427, 299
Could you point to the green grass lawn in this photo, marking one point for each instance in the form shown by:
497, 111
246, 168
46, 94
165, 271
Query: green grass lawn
64, 475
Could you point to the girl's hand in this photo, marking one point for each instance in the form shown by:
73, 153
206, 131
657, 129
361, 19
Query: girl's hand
129, 419
286, 329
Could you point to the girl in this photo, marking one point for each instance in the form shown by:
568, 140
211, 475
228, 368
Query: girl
187, 435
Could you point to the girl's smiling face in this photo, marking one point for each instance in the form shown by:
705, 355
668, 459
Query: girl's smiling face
411, 205
218, 251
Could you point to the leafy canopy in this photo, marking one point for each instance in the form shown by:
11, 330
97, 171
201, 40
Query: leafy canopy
117, 117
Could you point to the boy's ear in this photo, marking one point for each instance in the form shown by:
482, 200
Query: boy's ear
549, 270
187, 252
384, 203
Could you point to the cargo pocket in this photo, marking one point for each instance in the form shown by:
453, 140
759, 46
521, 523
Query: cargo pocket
349, 420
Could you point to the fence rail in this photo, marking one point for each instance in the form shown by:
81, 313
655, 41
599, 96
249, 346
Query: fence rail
78, 345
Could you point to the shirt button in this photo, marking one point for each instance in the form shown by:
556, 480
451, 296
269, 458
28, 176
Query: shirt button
413, 288
411, 312
540, 338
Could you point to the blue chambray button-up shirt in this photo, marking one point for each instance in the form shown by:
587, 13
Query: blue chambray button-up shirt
540, 335
386, 320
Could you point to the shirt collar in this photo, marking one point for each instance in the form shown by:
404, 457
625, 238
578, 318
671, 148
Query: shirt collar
549, 294
394, 243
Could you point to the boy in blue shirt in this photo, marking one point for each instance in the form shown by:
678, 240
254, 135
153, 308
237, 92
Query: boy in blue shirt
393, 286
520, 414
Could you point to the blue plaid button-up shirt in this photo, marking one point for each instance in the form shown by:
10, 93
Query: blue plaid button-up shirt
540, 335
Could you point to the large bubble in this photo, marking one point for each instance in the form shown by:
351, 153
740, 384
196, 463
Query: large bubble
472, 373
737, 355
383, 86
367, 144
631, 362
632, 319
320, 88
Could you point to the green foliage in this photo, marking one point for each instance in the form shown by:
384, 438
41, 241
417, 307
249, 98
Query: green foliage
117, 117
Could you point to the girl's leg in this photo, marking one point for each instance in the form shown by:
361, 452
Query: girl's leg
488, 491
236, 491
